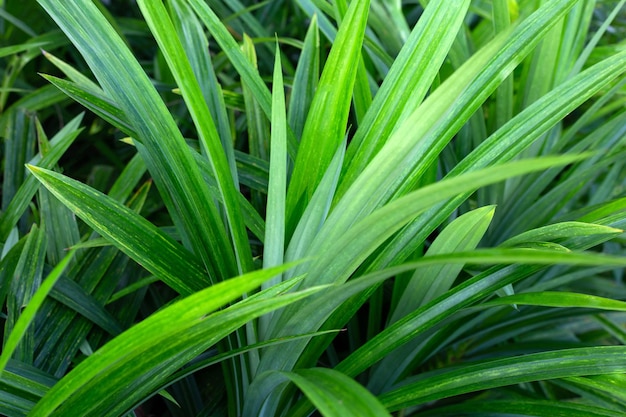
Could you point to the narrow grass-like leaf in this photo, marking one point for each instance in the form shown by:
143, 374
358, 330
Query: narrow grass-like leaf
15, 49
256, 120
504, 93
365, 236
61, 226
406, 84
558, 299
613, 328
560, 231
428, 283
316, 211
138, 238
326, 122
157, 347
73, 74
232, 50
501, 372
75, 297
26, 280
424, 318
601, 388
94, 101
274, 248
98, 273
413, 146
505, 144
162, 146
10, 258
593, 42
28, 314
162, 28
19, 147
536, 408
362, 94
59, 144
336, 395
196, 44
359, 241
305, 80
462, 235
461, 296
250, 216
20, 386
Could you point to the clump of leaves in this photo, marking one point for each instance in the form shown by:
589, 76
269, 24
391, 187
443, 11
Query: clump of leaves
449, 192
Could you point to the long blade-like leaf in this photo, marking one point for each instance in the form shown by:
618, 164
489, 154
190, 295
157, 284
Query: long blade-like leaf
509, 371
336, 395
167, 156
131, 233
326, 122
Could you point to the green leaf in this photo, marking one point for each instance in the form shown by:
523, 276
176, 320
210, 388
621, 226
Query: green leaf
23, 286
428, 283
602, 389
274, 249
326, 122
462, 235
558, 299
131, 233
195, 43
405, 86
173, 51
336, 395
234, 54
305, 80
153, 349
560, 231
464, 295
20, 386
163, 148
75, 297
535, 408
317, 210
28, 314
96, 101
357, 242
506, 144
19, 203
509, 371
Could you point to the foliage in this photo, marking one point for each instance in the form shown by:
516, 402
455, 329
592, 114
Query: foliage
283, 208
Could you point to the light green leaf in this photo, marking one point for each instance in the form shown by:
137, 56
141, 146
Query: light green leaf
131, 233
274, 249
560, 231
336, 395
163, 30
558, 299
462, 235
464, 295
509, 371
326, 122
406, 84
153, 349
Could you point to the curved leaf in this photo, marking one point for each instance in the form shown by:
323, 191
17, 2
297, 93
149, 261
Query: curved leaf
138, 238
502, 372
336, 395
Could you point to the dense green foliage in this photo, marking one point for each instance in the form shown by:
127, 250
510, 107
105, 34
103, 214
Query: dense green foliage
287, 208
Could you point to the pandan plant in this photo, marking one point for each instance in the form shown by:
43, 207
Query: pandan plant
337, 208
